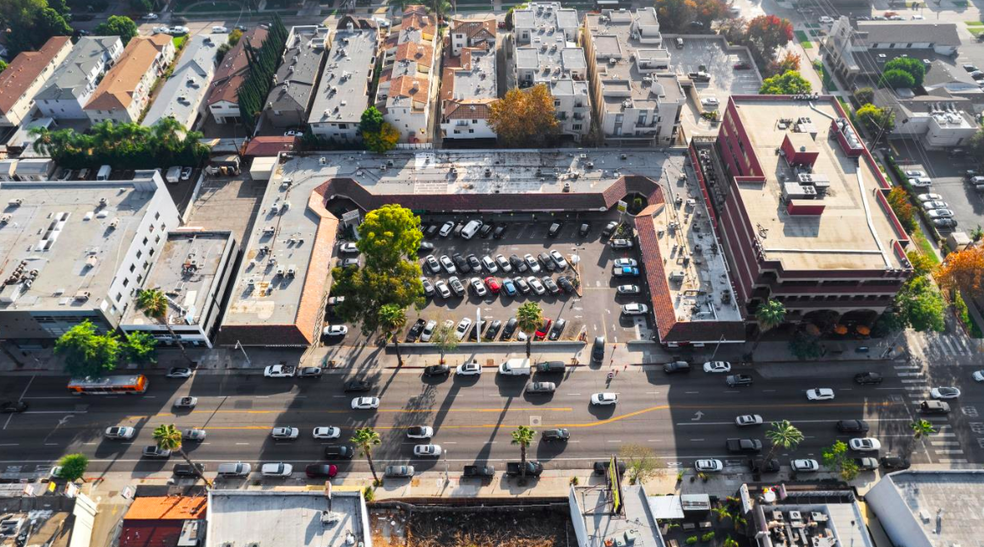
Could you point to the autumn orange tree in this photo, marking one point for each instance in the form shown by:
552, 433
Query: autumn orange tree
963, 270
788, 61
898, 199
524, 117
678, 14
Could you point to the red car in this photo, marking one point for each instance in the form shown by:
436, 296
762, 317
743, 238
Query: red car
493, 285
543, 330
742, 66
321, 470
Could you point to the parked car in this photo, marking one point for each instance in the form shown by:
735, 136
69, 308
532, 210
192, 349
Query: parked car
185, 470
676, 366
621, 243
868, 378
309, 372
738, 380
415, 330
399, 471
805, 466
437, 370
321, 470
708, 466
277, 470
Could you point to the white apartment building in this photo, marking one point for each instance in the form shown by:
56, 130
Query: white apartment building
343, 94
125, 90
468, 84
182, 96
73, 84
76, 251
26, 76
547, 53
637, 98
407, 80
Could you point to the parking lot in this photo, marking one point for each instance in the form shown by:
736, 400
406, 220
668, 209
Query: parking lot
948, 181
595, 311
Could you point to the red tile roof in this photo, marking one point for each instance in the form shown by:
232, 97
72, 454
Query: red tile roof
25, 69
115, 91
271, 146
167, 508
472, 28
232, 72
150, 533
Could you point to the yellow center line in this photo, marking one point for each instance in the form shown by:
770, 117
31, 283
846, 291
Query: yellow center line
379, 411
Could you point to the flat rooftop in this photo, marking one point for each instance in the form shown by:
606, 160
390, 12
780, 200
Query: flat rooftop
425, 180
477, 80
344, 90
185, 270
854, 232
959, 495
182, 94
299, 71
817, 525
546, 15
594, 503
64, 231
286, 518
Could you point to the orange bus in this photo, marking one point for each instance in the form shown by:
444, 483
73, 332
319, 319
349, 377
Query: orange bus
107, 385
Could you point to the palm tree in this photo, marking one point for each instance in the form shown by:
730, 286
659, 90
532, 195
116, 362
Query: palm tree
168, 437
921, 428
529, 317
523, 436
392, 318
366, 438
769, 315
444, 339
153, 302
783, 434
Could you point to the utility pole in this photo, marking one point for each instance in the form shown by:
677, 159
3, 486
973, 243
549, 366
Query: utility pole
240, 347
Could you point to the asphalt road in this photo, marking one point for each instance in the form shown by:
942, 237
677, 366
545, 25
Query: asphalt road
680, 417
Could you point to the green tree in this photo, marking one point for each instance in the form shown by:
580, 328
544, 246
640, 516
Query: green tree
388, 235
876, 120
528, 317
769, 315
640, 461
221, 52
140, 347
523, 436
118, 25
789, 61
524, 117
51, 23
141, 6
836, 458
3, 66
921, 264
788, 83
896, 79
783, 435
975, 147
154, 303
366, 438
86, 352
234, 37
921, 305
372, 120
914, 67
445, 340
73, 466
383, 141
392, 319
864, 95
921, 428
169, 437
805, 345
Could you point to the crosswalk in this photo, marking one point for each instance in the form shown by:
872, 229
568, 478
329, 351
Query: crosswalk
942, 445
937, 345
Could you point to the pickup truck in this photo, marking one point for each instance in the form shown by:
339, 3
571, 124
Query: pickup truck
744, 445
279, 371
533, 469
699, 76
479, 471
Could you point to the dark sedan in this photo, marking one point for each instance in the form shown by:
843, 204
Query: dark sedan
437, 370
852, 426
560, 434
357, 386
316, 470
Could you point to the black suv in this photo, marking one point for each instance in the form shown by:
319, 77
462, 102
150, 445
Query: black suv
339, 452
598, 350
185, 470
486, 230
437, 370
739, 380
868, 378
461, 263
676, 366
762, 465
852, 426
894, 462
561, 434
415, 330
357, 386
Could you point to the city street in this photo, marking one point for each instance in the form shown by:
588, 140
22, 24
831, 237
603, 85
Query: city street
681, 417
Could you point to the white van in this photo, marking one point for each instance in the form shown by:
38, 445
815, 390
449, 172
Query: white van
173, 174
516, 367
471, 229
103, 173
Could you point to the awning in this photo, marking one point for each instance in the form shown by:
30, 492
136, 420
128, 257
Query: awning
665, 507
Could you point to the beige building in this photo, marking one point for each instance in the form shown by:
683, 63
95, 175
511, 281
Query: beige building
26, 75
125, 90
468, 83
407, 81
637, 98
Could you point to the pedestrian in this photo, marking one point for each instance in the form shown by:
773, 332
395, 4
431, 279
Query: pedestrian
626, 367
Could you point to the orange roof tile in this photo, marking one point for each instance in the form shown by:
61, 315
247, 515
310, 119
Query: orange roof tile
422, 54
232, 72
472, 28
25, 69
167, 508
404, 87
116, 89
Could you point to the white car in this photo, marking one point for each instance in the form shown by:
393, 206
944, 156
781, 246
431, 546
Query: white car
532, 263
710, 102
179, 372
478, 287
420, 432
462, 328
348, 248
427, 450
921, 182
280, 469
635, 309
913, 173
820, 394
335, 330
805, 466
428, 332
442, 289
186, 402
365, 403
825, 20
536, 285
748, 419
489, 264
940, 213
448, 265
381, 22
446, 229
627, 289
944, 392
150, 17
471, 368
864, 444
558, 260
194, 434
120, 432
604, 399
929, 197
329, 432
719, 367
186, 173
283, 432
220, 30
708, 466
621, 262
934, 204
979, 376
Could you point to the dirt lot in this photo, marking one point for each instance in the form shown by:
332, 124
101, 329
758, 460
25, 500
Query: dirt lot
515, 526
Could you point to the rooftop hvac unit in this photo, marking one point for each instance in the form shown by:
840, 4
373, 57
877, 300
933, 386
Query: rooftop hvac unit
280, 271
269, 230
103, 202
114, 223
291, 270
4, 220
82, 296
